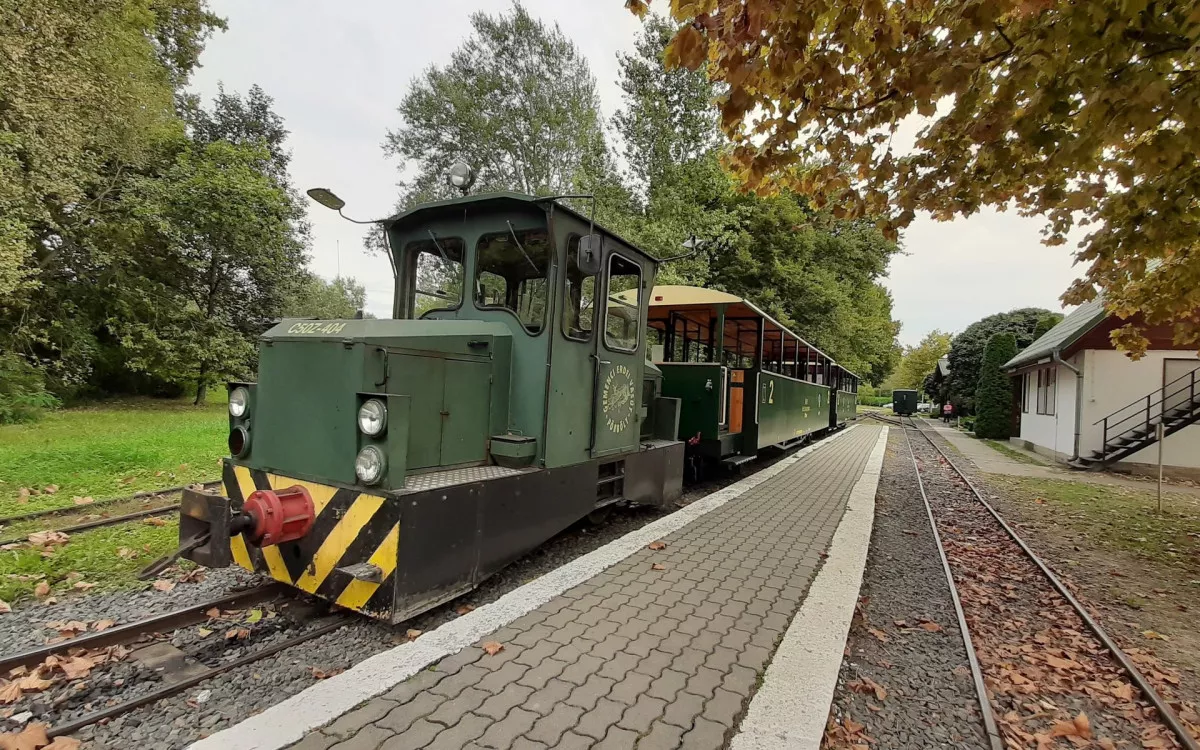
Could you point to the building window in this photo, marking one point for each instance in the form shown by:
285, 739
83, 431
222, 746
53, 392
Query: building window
1024, 386
1046, 379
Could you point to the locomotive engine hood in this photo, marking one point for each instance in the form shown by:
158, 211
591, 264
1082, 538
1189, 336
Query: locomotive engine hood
444, 384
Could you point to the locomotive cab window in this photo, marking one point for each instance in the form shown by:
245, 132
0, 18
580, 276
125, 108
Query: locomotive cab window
510, 273
436, 268
580, 298
622, 321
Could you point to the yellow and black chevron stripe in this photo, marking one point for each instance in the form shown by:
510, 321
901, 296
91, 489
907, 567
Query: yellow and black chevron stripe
351, 527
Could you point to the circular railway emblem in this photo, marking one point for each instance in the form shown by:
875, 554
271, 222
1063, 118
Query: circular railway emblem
618, 399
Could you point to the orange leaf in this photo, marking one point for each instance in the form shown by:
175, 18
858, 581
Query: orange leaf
163, 584
1083, 726
64, 743
657, 545
240, 634
879, 634
154, 521
10, 693
412, 634
42, 590
321, 674
31, 738
492, 648
5, 607
99, 625
932, 627
658, 566
463, 609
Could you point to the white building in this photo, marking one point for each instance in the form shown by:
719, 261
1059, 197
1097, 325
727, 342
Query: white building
1080, 401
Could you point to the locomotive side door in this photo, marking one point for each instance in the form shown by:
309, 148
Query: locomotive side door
619, 355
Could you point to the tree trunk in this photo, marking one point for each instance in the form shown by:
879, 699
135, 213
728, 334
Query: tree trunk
201, 385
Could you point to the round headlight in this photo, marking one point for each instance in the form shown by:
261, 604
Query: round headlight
369, 465
372, 417
239, 400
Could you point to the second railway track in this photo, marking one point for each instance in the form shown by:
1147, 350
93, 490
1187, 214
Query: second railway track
1047, 669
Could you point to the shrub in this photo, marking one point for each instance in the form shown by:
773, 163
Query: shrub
993, 397
23, 394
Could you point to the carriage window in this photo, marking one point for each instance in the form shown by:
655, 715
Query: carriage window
510, 272
622, 322
580, 298
438, 274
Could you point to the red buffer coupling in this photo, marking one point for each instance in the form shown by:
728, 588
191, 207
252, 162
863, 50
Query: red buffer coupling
279, 515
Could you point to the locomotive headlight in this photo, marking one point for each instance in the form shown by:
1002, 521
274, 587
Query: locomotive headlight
372, 417
239, 400
369, 465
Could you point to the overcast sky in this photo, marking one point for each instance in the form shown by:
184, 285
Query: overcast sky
338, 71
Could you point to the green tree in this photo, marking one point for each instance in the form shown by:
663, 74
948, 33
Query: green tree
966, 350
219, 256
918, 362
315, 297
517, 101
1079, 112
993, 397
1045, 323
810, 271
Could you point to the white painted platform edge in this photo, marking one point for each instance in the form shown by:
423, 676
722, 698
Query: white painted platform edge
287, 722
791, 707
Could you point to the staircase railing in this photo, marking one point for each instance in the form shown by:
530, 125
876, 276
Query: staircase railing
1143, 411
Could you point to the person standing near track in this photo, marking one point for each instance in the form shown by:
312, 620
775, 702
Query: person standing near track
947, 412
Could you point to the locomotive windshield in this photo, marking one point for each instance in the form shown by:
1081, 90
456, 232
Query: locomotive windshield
581, 293
510, 272
439, 274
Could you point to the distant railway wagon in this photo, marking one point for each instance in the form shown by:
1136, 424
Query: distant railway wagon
905, 402
745, 381
388, 466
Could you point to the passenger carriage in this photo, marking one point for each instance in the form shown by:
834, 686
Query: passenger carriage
746, 382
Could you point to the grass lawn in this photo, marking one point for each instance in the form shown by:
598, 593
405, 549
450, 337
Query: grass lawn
1012, 453
1122, 518
107, 557
110, 449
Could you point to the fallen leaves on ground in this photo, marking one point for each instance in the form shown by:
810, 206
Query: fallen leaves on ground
879, 635
23, 496
32, 737
5, 607
75, 665
323, 674
658, 566
491, 648
50, 489
413, 633
86, 500
1154, 635
126, 554
163, 585
930, 626
657, 545
868, 686
42, 590
239, 634
48, 540
195, 575
462, 609
154, 521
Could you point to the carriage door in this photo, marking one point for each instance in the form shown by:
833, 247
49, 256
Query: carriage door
618, 358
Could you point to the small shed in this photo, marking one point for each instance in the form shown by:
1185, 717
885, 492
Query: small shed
1079, 400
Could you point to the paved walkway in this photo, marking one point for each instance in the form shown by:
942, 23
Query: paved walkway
661, 650
992, 461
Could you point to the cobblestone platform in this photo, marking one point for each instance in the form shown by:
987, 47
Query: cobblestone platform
663, 649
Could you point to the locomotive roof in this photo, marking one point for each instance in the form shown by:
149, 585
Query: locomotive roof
513, 200
700, 305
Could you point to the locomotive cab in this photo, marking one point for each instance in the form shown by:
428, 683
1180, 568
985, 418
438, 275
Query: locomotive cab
390, 465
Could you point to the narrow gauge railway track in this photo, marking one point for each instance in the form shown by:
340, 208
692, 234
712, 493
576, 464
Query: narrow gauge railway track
958, 509
131, 633
93, 507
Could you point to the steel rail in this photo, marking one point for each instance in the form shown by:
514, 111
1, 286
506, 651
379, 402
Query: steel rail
167, 691
1164, 709
67, 509
995, 739
125, 633
100, 522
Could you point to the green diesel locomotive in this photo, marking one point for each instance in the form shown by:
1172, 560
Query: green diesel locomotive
391, 465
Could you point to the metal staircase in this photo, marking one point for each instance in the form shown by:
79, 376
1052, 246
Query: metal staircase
1131, 428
